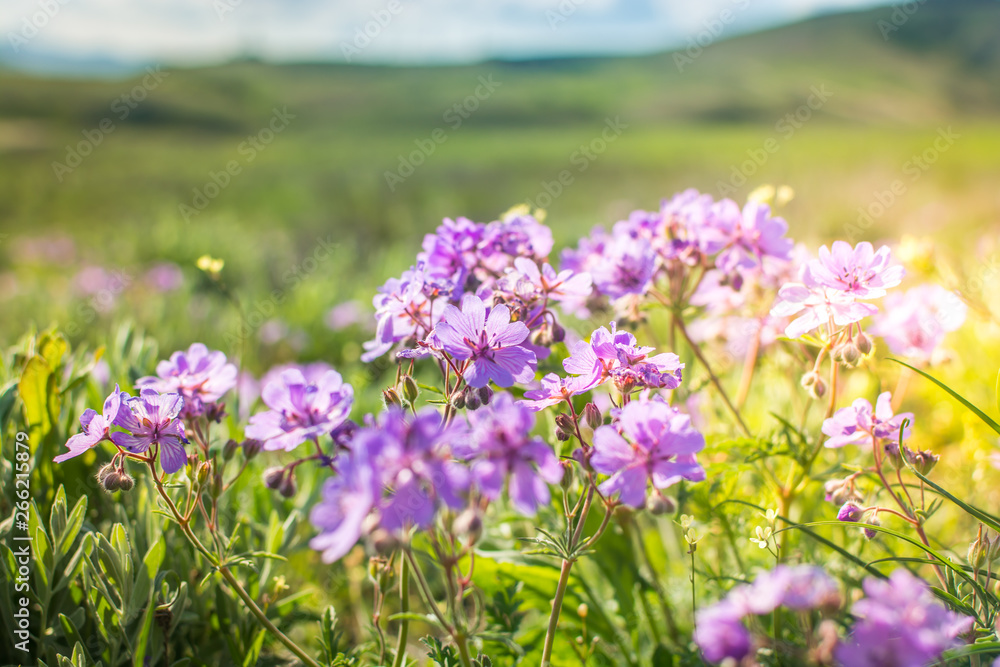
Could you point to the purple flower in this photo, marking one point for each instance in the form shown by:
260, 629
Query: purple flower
613, 354
626, 267
660, 448
860, 272
403, 310
152, 419
200, 376
914, 323
820, 306
850, 512
901, 624
719, 629
720, 633
347, 500
300, 409
857, 425
96, 427
412, 459
500, 446
554, 390
492, 345
754, 236
516, 235
452, 251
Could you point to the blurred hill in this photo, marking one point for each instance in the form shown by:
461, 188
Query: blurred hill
890, 82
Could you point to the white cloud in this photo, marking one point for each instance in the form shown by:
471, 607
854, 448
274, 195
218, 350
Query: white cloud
188, 31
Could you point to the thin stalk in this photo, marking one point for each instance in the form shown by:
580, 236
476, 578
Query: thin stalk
557, 601
404, 608
712, 376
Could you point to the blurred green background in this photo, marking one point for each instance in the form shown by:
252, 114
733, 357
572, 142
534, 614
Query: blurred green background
78, 242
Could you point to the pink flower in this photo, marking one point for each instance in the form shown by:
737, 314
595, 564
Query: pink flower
818, 306
554, 390
96, 427
860, 272
858, 424
492, 343
914, 323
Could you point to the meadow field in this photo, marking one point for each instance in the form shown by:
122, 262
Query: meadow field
256, 208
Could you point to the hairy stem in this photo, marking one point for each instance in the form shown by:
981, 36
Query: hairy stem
404, 608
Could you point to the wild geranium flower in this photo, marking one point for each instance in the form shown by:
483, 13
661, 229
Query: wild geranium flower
755, 234
914, 323
833, 287
500, 447
201, 376
719, 629
516, 234
402, 311
300, 409
720, 632
860, 272
627, 267
651, 442
413, 462
151, 418
857, 424
613, 354
492, 345
96, 427
347, 499
901, 624
554, 390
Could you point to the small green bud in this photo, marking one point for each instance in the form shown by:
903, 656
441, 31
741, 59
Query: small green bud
410, 388
229, 449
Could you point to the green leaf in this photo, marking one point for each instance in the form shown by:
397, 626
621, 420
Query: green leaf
988, 519
73, 525
57, 516
33, 388
52, 347
74, 637
954, 394
8, 398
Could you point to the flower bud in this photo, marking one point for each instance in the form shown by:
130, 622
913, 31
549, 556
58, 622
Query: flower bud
838, 491
104, 472
469, 523
112, 481
977, 554
229, 449
472, 399
217, 485
383, 542
818, 390
252, 448
873, 520
126, 482
485, 395
893, 455
287, 487
410, 388
558, 333
215, 412
922, 460
809, 379
273, 477
592, 415
192, 460
391, 398
847, 353
203, 470
582, 610
458, 400
865, 344
850, 512
542, 337
659, 504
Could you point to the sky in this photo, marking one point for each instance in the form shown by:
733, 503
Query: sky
189, 32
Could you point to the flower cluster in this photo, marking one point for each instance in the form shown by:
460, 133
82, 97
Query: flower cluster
395, 475
720, 631
914, 323
201, 376
901, 624
836, 287
649, 442
504, 265
301, 409
859, 424
691, 229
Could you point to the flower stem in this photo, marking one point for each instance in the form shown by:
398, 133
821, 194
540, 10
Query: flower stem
712, 376
184, 523
404, 608
557, 601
